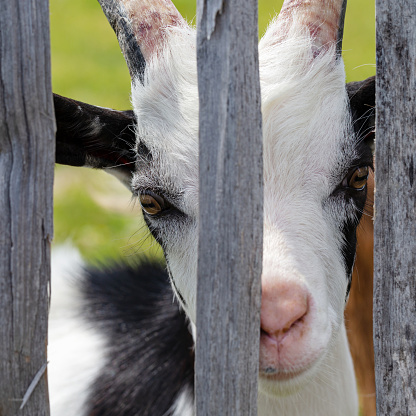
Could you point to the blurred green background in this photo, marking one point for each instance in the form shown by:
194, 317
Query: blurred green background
92, 210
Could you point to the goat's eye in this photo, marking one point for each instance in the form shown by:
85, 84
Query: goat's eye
357, 178
153, 204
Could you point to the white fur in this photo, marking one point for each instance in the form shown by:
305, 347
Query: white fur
76, 350
331, 392
184, 405
166, 107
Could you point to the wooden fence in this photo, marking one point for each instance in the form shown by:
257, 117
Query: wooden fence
26, 176
231, 175
230, 209
395, 209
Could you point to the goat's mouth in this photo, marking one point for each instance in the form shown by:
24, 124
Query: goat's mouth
274, 374
290, 362
281, 382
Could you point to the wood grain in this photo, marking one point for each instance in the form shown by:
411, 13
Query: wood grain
395, 209
26, 179
230, 204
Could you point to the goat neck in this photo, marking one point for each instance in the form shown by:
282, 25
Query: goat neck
140, 28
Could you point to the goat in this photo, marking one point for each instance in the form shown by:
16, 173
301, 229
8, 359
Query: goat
317, 155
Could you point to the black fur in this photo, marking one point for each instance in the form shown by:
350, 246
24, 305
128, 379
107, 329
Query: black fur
362, 97
150, 349
93, 136
362, 104
348, 251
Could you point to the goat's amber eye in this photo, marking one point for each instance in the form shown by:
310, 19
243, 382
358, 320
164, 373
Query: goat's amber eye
358, 179
152, 204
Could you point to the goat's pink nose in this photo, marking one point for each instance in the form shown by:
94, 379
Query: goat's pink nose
284, 306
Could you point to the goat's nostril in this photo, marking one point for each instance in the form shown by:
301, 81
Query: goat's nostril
283, 311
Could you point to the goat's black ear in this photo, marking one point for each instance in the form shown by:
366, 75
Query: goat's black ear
362, 95
95, 137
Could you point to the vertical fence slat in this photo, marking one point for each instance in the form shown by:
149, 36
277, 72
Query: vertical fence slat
231, 198
26, 178
395, 209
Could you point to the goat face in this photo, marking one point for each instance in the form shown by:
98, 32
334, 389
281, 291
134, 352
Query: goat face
315, 169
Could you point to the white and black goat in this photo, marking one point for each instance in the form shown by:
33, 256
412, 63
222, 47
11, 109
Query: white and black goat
317, 153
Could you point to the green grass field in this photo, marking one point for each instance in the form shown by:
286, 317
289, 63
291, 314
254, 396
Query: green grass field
92, 210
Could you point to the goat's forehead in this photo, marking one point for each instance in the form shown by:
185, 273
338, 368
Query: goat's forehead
304, 109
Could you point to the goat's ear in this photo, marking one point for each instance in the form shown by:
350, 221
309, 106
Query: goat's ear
95, 137
362, 95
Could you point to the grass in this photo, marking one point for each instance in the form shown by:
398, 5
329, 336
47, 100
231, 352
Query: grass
96, 214
91, 210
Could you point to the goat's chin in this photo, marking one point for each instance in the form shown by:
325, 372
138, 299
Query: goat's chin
285, 367
273, 382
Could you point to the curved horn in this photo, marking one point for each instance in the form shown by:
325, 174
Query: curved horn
138, 25
323, 18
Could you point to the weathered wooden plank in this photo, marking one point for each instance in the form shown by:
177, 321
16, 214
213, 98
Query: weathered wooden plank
395, 208
230, 204
26, 178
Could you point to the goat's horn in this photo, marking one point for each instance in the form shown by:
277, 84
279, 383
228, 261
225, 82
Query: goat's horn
323, 18
139, 25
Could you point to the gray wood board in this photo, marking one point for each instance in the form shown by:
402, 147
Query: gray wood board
230, 209
395, 209
27, 155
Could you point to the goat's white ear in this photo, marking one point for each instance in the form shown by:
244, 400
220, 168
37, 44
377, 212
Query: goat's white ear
95, 137
362, 96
